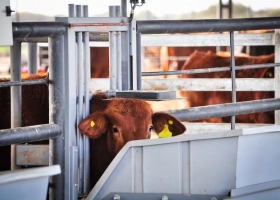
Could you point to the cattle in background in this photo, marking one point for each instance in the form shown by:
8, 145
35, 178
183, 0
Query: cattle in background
99, 62
258, 50
115, 122
179, 52
200, 60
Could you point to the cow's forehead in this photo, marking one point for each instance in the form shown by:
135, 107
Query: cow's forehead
129, 107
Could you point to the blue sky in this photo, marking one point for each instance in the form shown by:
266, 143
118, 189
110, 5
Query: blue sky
158, 7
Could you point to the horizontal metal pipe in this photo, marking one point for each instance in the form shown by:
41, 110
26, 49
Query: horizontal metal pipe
223, 110
208, 70
38, 29
34, 39
29, 134
206, 25
27, 82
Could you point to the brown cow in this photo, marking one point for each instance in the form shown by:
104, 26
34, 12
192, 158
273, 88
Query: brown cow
115, 122
112, 123
99, 62
200, 60
179, 51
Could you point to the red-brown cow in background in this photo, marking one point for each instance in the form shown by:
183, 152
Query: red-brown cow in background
200, 60
179, 52
115, 122
99, 62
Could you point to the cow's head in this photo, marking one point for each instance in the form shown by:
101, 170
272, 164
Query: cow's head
124, 120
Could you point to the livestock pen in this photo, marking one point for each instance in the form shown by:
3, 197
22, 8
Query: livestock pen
69, 86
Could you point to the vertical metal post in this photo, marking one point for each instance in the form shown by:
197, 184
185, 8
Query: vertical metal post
125, 64
277, 72
70, 139
80, 73
115, 53
124, 8
32, 58
71, 10
232, 64
16, 102
139, 69
133, 53
56, 113
86, 104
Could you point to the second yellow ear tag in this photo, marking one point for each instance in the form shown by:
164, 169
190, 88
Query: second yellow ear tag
170, 121
165, 132
92, 123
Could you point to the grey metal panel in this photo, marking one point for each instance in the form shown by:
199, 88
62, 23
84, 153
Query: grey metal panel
258, 159
273, 194
255, 188
137, 174
147, 95
32, 155
213, 165
26, 184
163, 174
121, 183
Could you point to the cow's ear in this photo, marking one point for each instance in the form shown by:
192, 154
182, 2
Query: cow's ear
94, 125
166, 125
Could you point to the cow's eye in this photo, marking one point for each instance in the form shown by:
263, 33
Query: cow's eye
151, 128
115, 130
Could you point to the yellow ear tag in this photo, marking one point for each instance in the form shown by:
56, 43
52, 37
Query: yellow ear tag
165, 132
170, 121
92, 123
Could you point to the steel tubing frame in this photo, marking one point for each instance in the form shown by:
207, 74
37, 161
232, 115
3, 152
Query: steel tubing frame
206, 25
29, 134
228, 109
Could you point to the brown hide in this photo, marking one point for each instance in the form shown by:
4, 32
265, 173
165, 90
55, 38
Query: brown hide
200, 60
99, 59
35, 111
115, 122
180, 51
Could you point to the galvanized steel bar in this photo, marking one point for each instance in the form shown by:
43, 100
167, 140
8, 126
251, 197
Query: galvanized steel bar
125, 64
24, 82
233, 80
16, 100
29, 134
71, 162
277, 72
56, 113
228, 109
206, 25
119, 53
208, 70
133, 54
37, 29
86, 104
113, 52
80, 72
139, 69
71, 10
124, 8
32, 58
